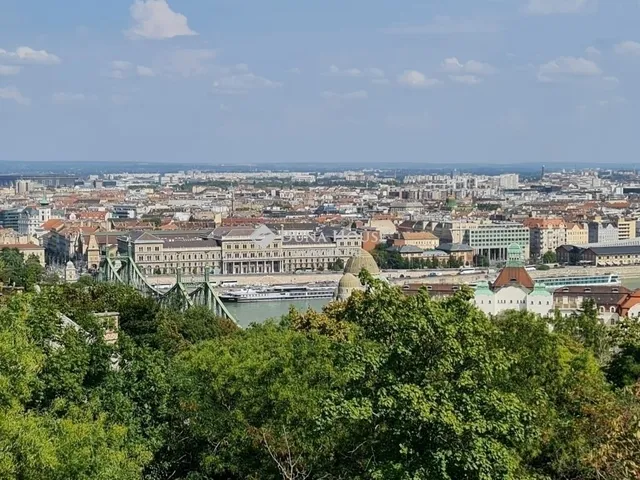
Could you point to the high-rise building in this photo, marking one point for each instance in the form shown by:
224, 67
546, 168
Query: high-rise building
22, 187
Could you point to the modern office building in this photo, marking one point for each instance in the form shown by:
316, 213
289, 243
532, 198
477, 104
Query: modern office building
492, 241
10, 218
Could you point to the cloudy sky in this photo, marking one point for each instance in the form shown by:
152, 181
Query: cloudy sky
370, 81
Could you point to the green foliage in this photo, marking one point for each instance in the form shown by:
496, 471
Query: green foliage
14, 270
549, 257
624, 369
381, 386
337, 266
390, 259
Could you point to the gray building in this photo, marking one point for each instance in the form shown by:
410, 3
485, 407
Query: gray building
603, 232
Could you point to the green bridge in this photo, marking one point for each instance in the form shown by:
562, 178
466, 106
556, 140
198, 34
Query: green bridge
124, 270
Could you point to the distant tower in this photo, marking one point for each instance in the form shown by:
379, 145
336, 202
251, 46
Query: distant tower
70, 273
44, 210
233, 198
542, 173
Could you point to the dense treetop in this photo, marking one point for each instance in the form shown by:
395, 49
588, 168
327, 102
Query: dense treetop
382, 386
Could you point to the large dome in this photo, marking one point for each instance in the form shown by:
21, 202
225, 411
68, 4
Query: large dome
362, 260
349, 280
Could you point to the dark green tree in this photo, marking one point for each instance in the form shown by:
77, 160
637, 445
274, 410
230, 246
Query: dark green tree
549, 257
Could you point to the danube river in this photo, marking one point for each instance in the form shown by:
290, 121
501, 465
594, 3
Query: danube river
258, 312
247, 313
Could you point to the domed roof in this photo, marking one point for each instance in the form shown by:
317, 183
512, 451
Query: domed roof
349, 280
362, 260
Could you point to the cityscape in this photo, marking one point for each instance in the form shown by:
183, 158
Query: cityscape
243, 240
252, 231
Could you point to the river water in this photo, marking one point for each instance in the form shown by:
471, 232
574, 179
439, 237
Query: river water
258, 312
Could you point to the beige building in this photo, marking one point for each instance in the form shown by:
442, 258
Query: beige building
546, 234
577, 233
237, 250
423, 240
27, 250
454, 231
626, 228
23, 243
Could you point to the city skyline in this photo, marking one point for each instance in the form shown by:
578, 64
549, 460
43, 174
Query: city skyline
494, 82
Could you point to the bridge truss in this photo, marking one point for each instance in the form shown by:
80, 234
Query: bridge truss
125, 271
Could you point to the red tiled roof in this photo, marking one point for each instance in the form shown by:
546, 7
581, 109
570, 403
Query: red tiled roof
513, 276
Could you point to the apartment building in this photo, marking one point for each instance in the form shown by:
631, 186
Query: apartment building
577, 233
626, 228
603, 232
492, 240
546, 234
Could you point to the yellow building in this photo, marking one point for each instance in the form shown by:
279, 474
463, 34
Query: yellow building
577, 234
626, 228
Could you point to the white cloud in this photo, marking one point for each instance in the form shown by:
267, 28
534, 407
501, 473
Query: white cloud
121, 69
563, 67
66, 97
627, 48
143, 71
550, 7
592, 52
27, 55
415, 79
358, 95
12, 93
349, 72
154, 19
242, 83
6, 70
465, 79
443, 25
472, 67
295, 71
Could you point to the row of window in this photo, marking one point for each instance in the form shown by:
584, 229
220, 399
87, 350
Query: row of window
511, 302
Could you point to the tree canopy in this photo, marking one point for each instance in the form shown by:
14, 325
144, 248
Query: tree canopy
381, 386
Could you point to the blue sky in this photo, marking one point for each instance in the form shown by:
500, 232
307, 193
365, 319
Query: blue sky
375, 82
